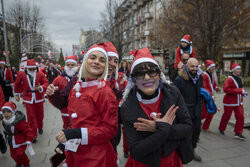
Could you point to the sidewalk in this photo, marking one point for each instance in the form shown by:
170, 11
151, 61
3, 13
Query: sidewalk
215, 149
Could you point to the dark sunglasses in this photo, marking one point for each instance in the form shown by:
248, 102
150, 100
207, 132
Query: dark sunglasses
151, 72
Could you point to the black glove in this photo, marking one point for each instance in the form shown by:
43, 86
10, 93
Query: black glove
60, 146
72, 133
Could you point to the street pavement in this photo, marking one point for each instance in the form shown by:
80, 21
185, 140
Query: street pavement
215, 149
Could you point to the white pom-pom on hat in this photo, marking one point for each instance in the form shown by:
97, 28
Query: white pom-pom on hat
77, 88
78, 94
73, 115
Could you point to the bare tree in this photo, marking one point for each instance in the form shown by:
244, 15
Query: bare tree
107, 20
26, 17
110, 32
213, 24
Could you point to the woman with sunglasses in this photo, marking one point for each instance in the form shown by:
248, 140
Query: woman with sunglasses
156, 121
92, 109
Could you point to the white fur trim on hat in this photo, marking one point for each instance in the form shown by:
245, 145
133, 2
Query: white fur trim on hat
9, 108
95, 49
142, 60
31, 67
85, 57
210, 66
2, 62
113, 54
71, 60
184, 40
235, 68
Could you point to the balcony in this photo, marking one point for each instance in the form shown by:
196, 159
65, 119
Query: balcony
146, 33
143, 19
128, 3
140, 3
148, 15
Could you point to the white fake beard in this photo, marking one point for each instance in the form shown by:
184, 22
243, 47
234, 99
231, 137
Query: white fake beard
8, 122
32, 73
70, 71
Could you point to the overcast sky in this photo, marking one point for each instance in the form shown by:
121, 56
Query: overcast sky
65, 18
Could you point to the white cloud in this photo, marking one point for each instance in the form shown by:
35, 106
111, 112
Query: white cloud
65, 18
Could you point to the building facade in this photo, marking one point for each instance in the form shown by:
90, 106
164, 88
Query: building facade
90, 37
134, 20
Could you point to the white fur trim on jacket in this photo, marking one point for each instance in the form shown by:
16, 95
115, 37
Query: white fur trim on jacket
84, 132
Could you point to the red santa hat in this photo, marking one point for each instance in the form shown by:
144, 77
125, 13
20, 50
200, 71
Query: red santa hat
111, 50
234, 66
9, 106
31, 63
186, 38
209, 64
72, 59
3, 62
142, 56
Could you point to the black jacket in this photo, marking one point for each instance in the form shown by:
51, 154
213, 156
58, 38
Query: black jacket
190, 93
147, 147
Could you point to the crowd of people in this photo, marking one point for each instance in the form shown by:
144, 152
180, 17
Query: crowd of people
101, 101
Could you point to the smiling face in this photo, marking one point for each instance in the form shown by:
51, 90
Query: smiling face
7, 114
113, 62
237, 72
147, 78
192, 66
95, 64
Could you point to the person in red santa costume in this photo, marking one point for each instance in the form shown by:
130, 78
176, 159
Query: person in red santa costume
233, 101
118, 87
32, 83
112, 81
185, 47
92, 108
156, 121
18, 134
6, 80
3, 147
210, 85
62, 80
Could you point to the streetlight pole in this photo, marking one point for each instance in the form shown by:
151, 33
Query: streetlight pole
5, 35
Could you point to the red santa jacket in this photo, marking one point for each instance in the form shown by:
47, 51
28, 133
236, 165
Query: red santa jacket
61, 82
178, 54
95, 112
18, 134
207, 83
233, 96
23, 84
8, 76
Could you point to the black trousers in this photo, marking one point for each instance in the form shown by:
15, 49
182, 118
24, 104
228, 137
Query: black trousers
2, 143
196, 131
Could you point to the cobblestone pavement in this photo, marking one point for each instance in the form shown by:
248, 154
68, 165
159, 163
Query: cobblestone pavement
215, 149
